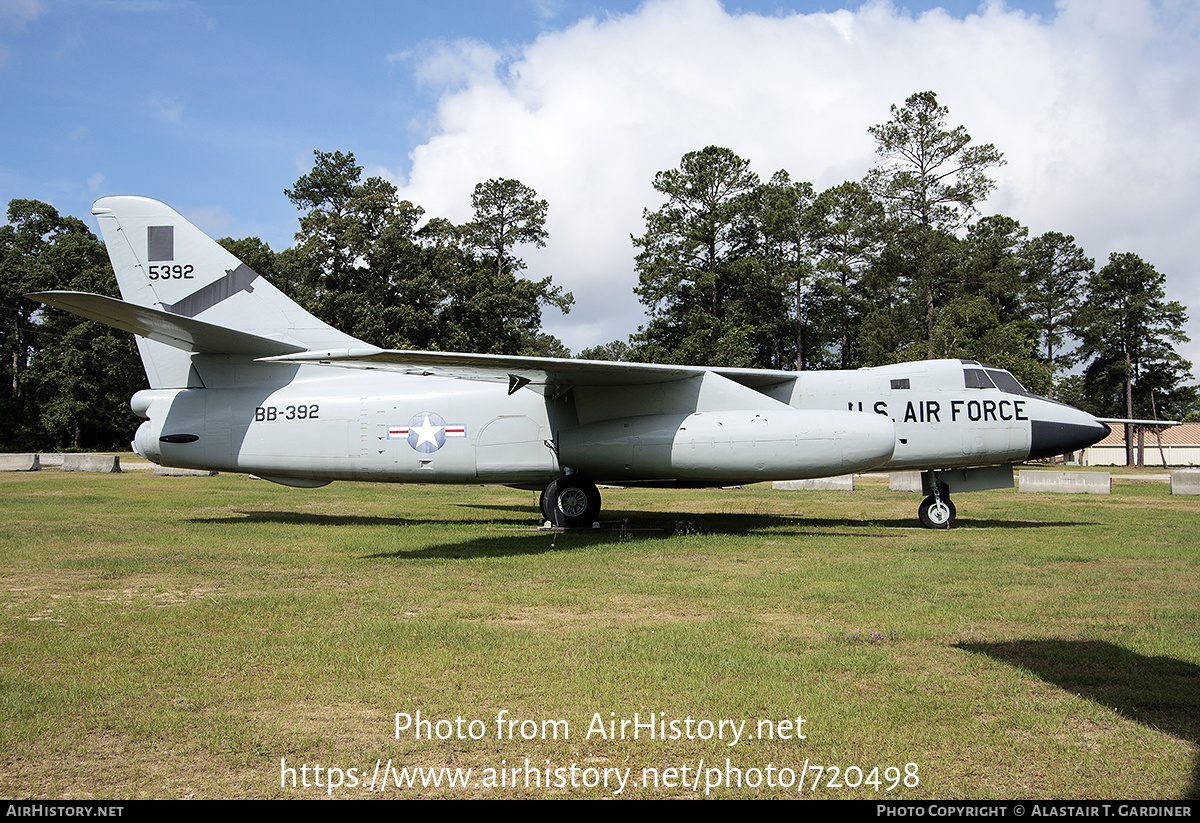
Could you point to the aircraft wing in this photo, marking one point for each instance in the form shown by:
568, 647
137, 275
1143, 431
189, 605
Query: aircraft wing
162, 326
554, 374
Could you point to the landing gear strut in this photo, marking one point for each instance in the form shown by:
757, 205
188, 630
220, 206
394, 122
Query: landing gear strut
572, 501
936, 510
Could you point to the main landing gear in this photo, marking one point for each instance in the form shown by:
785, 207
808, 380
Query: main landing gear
572, 501
936, 510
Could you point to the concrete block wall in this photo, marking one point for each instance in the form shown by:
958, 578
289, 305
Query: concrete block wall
1033, 481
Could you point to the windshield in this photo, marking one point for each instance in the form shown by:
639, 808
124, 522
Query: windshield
1006, 383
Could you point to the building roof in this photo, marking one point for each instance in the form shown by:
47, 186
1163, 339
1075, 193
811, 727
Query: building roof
1185, 434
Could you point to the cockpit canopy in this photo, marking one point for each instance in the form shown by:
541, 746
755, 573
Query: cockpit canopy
978, 376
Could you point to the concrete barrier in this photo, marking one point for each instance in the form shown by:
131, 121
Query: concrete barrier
167, 471
54, 460
1065, 482
136, 466
841, 483
19, 463
1185, 482
91, 463
905, 482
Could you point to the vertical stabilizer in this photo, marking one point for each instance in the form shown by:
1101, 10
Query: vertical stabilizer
164, 262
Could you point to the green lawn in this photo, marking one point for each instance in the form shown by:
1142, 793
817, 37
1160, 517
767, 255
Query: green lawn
216, 637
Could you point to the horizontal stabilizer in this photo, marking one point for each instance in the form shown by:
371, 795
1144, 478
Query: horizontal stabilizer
164, 327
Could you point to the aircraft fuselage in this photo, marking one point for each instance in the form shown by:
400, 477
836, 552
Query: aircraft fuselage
244, 379
315, 423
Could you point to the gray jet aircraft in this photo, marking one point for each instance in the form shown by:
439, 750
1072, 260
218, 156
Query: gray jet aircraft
242, 379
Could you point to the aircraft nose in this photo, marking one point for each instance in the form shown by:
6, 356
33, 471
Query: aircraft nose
1048, 438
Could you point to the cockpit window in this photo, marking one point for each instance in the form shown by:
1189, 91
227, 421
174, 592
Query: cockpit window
977, 379
1006, 383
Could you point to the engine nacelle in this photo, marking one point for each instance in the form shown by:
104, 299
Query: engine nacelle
176, 430
738, 446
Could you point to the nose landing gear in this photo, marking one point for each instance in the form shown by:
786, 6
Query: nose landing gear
937, 511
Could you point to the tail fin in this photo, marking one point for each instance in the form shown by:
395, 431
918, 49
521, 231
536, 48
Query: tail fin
164, 262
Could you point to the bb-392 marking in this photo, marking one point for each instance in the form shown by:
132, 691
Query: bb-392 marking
269, 414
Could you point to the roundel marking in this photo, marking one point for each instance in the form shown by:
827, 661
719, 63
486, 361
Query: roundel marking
427, 431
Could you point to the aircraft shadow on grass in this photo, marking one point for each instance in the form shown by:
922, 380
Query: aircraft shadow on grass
713, 522
309, 519
746, 522
1160, 692
513, 530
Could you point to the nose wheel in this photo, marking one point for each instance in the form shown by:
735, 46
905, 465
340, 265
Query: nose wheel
936, 510
571, 502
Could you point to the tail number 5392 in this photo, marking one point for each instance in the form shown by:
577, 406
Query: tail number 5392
168, 271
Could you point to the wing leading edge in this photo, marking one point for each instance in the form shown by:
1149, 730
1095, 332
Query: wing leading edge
553, 374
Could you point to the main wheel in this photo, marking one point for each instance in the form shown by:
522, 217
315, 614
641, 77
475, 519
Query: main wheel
935, 514
571, 501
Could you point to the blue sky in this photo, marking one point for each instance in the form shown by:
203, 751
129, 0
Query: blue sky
219, 105
216, 108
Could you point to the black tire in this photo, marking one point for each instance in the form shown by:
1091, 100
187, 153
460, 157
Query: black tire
937, 516
571, 502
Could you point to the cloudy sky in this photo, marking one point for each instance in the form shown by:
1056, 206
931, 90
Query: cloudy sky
216, 108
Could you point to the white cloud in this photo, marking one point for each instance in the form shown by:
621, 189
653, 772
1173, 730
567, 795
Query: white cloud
14, 14
449, 64
547, 10
167, 109
1095, 111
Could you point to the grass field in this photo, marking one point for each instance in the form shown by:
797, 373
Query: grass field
225, 637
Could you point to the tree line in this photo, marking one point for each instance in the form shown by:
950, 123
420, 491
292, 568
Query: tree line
737, 271
67, 381
732, 270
